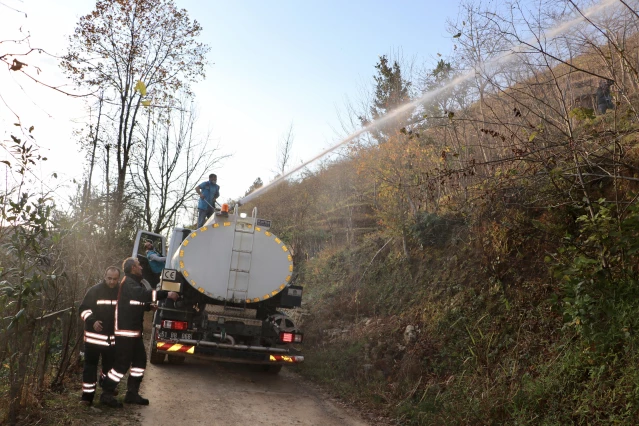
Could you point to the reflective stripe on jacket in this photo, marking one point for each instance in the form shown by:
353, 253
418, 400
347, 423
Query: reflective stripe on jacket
133, 300
99, 305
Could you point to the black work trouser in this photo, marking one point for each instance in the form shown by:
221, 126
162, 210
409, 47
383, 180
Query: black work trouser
92, 354
129, 352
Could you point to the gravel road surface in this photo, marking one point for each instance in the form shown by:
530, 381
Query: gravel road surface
200, 392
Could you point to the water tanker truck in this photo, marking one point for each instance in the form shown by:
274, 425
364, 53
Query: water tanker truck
234, 280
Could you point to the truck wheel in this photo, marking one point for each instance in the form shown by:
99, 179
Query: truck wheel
272, 369
175, 359
156, 358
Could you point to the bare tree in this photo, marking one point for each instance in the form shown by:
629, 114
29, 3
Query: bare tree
94, 137
478, 44
168, 162
128, 48
284, 149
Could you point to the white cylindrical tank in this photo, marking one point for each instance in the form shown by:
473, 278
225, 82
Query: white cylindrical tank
234, 259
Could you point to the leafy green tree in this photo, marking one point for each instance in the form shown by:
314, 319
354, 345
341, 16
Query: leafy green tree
257, 184
391, 91
25, 271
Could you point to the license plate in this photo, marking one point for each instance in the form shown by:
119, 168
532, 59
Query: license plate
175, 335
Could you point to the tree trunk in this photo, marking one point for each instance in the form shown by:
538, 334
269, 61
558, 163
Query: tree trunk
43, 357
87, 192
19, 371
67, 326
107, 201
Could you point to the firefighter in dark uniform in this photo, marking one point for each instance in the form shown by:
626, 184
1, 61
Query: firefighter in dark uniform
133, 300
98, 312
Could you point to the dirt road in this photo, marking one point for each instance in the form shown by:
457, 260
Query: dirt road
209, 393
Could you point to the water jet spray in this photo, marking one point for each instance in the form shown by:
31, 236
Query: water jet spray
373, 125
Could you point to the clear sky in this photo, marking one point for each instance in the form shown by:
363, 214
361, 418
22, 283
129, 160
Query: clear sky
273, 63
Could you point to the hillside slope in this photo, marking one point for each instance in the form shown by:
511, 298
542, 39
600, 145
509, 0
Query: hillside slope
479, 266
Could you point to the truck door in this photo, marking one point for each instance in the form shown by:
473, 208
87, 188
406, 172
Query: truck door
159, 246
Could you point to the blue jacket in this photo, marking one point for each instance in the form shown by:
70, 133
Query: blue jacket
211, 192
156, 265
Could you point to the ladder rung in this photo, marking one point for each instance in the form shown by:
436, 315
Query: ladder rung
235, 293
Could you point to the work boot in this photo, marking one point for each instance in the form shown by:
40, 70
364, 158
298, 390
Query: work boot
132, 392
135, 398
101, 382
87, 398
107, 398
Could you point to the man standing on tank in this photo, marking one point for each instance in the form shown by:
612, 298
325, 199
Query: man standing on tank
209, 192
133, 300
98, 313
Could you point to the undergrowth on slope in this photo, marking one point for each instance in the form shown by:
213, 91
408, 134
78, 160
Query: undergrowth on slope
502, 335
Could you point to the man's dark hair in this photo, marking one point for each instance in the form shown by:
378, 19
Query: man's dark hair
128, 264
212, 175
111, 268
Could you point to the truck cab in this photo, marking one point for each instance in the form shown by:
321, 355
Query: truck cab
150, 280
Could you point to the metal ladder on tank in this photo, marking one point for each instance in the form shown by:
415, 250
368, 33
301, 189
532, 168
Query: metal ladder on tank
243, 228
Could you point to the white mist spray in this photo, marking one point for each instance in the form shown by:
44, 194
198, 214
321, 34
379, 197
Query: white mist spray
502, 60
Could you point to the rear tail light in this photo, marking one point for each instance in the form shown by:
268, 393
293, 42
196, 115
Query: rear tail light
286, 337
175, 325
